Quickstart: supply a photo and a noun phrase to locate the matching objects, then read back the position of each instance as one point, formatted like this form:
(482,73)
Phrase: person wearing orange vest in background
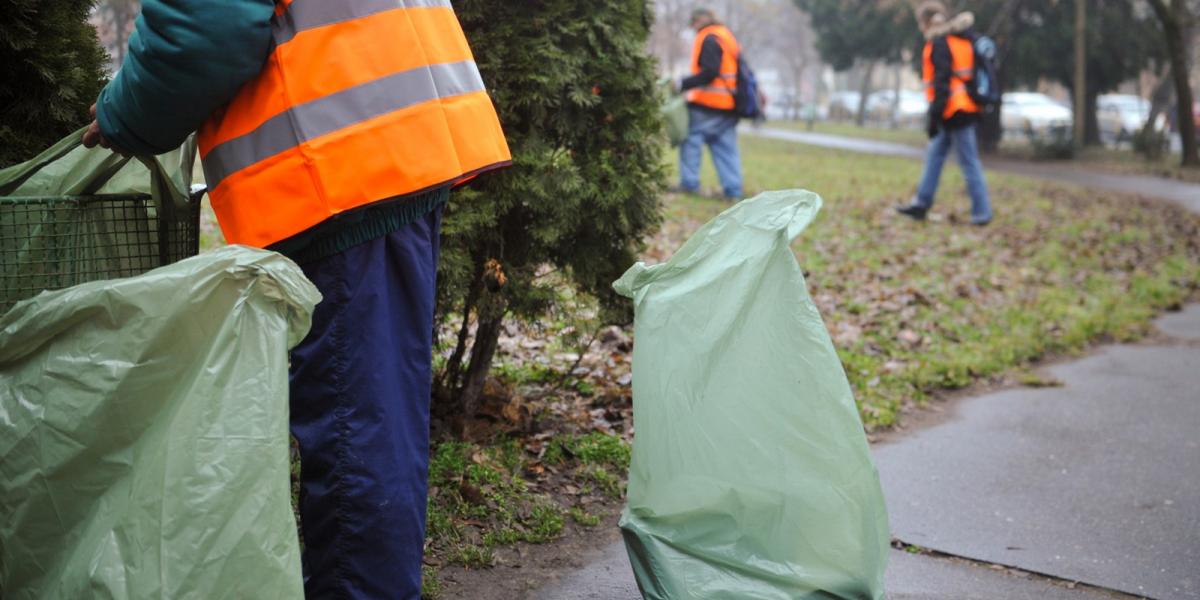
(331,132)
(948,66)
(711,118)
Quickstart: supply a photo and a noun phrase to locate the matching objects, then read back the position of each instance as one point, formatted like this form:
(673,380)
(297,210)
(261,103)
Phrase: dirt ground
(523,568)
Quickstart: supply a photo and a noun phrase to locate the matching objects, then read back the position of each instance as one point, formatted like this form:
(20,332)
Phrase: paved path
(1184,193)
(909,577)
(1097,481)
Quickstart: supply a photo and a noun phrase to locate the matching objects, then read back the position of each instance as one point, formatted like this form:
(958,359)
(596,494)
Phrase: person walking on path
(949,61)
(710,97)
(331,132)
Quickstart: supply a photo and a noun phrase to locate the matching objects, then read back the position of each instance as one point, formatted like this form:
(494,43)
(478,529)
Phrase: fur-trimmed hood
(960,23)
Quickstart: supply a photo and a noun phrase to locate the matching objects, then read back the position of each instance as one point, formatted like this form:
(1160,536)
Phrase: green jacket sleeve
(186,59)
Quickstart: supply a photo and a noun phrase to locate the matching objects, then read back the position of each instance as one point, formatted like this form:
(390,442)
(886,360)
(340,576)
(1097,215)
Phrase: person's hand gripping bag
(751,476)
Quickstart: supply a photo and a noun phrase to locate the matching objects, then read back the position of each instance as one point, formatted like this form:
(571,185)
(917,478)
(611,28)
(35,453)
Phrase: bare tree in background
(775,34)
(784,43)
(669,41)
(114,20)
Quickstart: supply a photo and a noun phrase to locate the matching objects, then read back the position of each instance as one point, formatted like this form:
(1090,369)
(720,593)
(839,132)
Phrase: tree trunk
(798,71)
(1091,119)
(1175,20)
(864,90)
(487,336)
(895,119)
(1080,88)
(1159,99)
(991,132)
(990,129)
(452,376)
(811,116)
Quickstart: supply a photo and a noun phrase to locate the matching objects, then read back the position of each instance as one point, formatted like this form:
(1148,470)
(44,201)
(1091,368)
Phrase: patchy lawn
(920,307)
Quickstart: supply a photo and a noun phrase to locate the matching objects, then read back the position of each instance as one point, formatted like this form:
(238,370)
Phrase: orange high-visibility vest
(718,93)
(962,64)
(359,101)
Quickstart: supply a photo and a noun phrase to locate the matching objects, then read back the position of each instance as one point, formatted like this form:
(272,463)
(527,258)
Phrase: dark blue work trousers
(360,388)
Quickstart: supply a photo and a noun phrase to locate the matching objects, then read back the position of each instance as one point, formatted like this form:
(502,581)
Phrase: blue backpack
(748,101)
(984,86)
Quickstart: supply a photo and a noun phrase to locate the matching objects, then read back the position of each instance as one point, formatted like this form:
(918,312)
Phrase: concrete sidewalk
(1181,192)
(1097,481)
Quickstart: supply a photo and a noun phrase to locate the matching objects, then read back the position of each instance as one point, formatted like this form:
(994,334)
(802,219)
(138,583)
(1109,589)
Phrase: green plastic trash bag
(674,112)
(751,476)
(676,116)
(144,449)
(69,169)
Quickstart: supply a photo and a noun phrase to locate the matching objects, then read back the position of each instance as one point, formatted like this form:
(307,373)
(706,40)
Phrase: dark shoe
(913,210)
(679,189)
(981,223)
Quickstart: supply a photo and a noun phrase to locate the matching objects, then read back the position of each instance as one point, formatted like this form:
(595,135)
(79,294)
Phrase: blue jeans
(360,389)
(719,131)
(963,140)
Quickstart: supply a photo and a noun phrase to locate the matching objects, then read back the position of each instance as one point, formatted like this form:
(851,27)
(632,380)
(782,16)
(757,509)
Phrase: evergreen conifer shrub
(577,98)
(53,71)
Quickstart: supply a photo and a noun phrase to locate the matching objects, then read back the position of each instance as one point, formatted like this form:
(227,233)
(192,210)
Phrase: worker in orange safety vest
(331,132)
(948,67)
(711,90)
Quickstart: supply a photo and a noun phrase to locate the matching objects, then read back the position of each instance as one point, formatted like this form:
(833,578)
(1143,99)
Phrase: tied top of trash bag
(785,213)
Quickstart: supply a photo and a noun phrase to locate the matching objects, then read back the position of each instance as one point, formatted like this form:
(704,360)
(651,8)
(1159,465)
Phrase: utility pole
(1080,126)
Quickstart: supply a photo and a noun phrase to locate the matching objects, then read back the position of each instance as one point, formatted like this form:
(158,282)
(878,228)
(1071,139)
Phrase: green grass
(431,586)
(901,135)
(591,449)
(1105,159)
(483,497)
(915,308)
(583,517)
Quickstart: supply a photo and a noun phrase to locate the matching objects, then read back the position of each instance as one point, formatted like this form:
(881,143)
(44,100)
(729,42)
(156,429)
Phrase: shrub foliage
(576,94)
(53,71)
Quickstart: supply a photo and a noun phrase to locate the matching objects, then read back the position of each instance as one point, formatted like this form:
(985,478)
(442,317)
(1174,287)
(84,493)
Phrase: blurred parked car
(911,110)
(1031,111)
(791,107)
(1123,115)
(843,105)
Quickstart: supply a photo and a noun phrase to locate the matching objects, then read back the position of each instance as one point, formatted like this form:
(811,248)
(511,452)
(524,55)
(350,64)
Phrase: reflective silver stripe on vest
(302,15)
(712,89)
(322,116)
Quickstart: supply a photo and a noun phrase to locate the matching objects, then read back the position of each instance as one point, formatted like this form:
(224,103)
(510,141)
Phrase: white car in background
(1122,115)
(912,109)
(1023,112)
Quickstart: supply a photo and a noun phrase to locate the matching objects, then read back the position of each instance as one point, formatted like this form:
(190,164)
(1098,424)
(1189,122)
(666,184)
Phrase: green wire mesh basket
(75,215)
(49,243)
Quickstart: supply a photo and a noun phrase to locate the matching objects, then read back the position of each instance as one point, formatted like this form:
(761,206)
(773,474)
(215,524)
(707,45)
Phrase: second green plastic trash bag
(751,476)
(676,117)
(144,445)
